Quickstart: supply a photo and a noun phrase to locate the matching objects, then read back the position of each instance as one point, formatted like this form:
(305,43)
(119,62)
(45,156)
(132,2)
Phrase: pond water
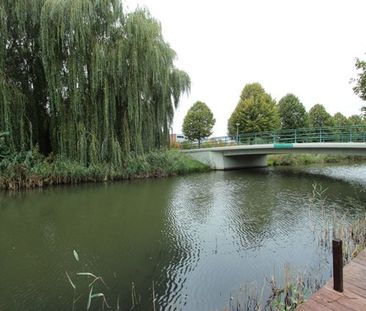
(200,238)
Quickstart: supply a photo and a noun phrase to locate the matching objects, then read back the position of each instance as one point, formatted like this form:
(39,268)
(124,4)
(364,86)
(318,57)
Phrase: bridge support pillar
(218,160)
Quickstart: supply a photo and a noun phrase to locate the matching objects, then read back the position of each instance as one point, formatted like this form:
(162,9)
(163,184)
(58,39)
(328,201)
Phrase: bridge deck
(353,297)
(244,156)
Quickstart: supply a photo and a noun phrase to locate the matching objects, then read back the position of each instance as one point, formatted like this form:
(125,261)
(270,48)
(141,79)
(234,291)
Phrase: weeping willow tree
(106,82)
(22,85)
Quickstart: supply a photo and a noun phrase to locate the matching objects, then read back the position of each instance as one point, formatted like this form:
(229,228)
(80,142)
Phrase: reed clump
(31,169)
(284,293)
(352,233)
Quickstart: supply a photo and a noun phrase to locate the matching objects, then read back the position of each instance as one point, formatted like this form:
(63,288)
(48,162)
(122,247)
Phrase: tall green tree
(198,122)
(340,120)
(319,117)
(292,112)
(356,120)
(85,80)
(255,112)
(363,111)
(360,87)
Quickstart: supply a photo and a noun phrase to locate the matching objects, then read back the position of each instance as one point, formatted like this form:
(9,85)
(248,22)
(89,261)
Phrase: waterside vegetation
(307,159)
(31,169)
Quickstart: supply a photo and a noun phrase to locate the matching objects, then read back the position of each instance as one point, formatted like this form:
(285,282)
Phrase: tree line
(85,80)
(257,111)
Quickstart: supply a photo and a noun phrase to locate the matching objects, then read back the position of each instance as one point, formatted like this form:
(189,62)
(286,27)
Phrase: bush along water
(29,169)
(306,159)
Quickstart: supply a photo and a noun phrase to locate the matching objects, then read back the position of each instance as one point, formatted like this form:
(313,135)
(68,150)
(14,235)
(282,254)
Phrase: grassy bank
(305,159)
(31,169)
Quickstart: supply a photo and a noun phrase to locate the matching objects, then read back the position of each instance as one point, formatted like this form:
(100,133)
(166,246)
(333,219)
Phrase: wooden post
(337,265)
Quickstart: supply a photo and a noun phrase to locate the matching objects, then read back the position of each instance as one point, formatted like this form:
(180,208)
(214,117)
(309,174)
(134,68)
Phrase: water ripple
(201,238)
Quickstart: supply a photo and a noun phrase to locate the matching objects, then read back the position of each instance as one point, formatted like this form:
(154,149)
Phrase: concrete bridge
(251,149)
(245,156)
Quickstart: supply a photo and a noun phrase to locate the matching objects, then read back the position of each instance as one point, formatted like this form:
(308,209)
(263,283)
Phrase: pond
(200,239)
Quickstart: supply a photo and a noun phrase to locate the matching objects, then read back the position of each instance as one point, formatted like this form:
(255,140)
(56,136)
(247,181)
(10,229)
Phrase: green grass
(305,159)
(30,169)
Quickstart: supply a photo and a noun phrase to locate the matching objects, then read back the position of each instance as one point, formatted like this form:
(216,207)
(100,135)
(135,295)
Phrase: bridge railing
(287,136)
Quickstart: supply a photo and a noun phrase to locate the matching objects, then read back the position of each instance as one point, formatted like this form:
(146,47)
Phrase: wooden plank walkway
(353,297)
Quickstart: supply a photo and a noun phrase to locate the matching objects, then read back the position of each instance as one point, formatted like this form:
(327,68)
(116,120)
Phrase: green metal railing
(292,136)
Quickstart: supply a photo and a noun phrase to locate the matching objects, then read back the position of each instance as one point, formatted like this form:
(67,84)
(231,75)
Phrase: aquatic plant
(278,293)
(79,291)
(91,294)
(288,297)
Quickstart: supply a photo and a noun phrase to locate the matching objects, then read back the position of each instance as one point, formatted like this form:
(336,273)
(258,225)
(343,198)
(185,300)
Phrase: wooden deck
(353,297)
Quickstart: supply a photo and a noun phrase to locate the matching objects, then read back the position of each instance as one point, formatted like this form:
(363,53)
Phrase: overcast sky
(305,47)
